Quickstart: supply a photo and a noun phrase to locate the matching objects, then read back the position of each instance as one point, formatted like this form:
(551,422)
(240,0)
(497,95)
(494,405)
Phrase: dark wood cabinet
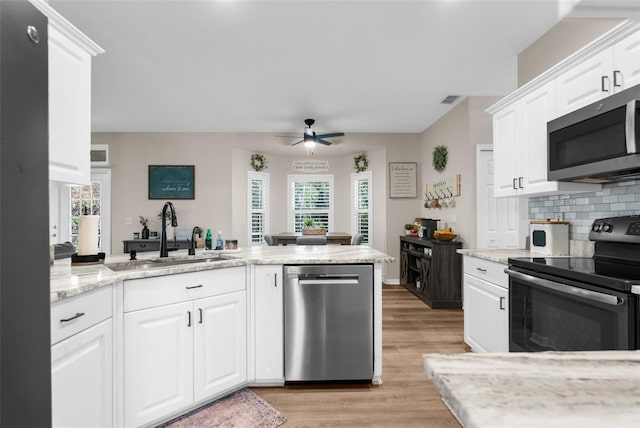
(432,270)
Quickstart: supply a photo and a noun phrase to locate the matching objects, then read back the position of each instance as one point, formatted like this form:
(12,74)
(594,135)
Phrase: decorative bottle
(145,232)
(207,240)
(219,242)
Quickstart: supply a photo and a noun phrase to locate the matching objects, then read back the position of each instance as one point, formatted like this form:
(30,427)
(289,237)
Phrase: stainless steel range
(579,303)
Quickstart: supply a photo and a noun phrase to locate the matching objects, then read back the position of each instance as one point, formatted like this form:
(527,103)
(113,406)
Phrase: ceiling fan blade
(325,142)
(331,135)
(297,142)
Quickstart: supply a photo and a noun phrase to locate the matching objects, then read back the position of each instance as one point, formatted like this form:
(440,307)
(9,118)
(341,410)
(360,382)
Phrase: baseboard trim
(391,281)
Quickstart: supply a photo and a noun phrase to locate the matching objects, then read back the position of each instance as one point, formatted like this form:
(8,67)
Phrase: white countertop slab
(68,281)
(499,255)
(543,389)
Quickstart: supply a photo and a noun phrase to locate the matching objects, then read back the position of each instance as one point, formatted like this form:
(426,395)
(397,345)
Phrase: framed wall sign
(403,179)
(171,182)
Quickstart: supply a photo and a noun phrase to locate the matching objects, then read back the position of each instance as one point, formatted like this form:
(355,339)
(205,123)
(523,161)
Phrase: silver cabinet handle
(565,288)
(76,316)
(502,304)
(515,187)
(481,269)
(188,318)
(520,182)
(191,287)
(200,310)
(275,280)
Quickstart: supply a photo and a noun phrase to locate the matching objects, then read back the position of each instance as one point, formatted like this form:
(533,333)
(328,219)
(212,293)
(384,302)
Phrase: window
(258,203)
(361,208)
(311,197)
(83,199)
(96,197)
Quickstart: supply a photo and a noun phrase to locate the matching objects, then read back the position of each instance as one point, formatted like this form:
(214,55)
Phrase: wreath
(258,162)
(360,162)
(439,158)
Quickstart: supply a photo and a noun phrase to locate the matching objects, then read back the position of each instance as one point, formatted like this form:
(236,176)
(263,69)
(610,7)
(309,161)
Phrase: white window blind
(311,197)
(361,208)
(258,203)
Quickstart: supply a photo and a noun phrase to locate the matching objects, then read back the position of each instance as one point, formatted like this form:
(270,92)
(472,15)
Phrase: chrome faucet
(164,252)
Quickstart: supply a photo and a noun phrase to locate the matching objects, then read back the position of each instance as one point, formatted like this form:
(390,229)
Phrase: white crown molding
(603,42)
(61,24)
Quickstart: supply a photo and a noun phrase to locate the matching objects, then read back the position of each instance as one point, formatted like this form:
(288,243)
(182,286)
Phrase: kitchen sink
(161,263)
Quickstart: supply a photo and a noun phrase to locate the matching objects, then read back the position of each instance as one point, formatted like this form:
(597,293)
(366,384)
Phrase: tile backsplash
(580,209)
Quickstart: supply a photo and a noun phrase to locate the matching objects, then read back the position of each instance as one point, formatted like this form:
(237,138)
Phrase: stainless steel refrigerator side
(25,334)
(328,313)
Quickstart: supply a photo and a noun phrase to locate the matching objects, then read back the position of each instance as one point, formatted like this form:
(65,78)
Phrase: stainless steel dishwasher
(328,323)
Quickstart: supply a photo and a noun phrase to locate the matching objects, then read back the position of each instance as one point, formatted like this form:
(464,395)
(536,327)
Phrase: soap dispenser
(219,242)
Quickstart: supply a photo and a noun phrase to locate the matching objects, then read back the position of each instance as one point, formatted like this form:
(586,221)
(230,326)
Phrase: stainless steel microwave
(598,143)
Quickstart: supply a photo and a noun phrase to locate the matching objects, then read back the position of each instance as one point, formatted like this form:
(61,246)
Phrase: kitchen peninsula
(220,321)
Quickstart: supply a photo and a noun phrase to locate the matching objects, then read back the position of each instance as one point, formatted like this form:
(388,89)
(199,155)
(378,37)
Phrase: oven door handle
(567,289)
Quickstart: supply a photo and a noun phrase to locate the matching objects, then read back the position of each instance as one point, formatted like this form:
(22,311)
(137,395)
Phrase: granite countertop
(68,281)
(542,389)
(499,255)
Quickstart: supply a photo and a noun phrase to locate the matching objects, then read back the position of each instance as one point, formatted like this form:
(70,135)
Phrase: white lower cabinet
(268,322)
(486,300)
(82,361)
(179,354)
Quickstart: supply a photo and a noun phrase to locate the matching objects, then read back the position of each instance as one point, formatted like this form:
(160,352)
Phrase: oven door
(547,315)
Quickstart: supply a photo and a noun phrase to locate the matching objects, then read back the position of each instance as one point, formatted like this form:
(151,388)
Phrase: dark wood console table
(432,270)
(141,245)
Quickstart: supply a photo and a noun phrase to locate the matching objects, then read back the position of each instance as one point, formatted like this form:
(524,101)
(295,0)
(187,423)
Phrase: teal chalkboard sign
(171,182)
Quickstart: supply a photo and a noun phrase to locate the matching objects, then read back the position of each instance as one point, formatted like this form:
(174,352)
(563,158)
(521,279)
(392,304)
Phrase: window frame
(264,178)
(356,177)
(300,178)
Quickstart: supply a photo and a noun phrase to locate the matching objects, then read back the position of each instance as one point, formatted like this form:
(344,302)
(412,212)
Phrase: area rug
(242,409)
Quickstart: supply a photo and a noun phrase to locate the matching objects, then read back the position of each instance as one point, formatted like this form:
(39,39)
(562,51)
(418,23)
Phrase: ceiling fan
(310,137)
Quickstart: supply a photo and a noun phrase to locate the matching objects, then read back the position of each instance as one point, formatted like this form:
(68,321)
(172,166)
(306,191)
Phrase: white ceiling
(265,66)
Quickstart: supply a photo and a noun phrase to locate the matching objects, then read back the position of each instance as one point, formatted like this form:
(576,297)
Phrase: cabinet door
(81,378)
(626,55)
(586,83)
(404,267)
(486,315)
(220,345)
(506,151)
(535,110)
(69,110)
(268,294)
(158,362)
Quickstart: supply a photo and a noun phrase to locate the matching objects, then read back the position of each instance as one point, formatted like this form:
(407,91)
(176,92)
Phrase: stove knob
(607,227)
(596,227)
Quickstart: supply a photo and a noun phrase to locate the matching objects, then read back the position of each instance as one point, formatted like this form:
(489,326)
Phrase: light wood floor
(407,397)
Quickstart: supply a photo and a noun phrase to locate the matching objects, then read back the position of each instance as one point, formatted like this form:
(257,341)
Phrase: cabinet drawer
(164,290)
(73,315)
(487,270)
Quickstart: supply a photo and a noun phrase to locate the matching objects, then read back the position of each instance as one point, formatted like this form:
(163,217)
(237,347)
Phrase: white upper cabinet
(606,73)
(70,53)
(520,147)
(608,65)
(627,61)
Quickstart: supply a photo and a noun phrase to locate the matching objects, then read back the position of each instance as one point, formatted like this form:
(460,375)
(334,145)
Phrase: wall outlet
(127,220)
(453,219)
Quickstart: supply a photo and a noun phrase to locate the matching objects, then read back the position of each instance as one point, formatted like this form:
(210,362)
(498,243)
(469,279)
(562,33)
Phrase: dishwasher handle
(328,281)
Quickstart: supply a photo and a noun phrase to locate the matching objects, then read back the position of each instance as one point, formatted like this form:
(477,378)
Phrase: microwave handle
(566,289)
(630,127)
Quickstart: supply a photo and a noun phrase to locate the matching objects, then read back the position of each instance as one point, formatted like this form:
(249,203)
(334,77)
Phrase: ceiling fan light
(309,143)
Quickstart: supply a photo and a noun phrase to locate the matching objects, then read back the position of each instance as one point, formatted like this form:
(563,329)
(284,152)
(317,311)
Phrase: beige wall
(221,167)
(565,38)
(460,130)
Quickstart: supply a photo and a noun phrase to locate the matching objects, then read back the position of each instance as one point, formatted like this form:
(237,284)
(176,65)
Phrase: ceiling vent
(450,99)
